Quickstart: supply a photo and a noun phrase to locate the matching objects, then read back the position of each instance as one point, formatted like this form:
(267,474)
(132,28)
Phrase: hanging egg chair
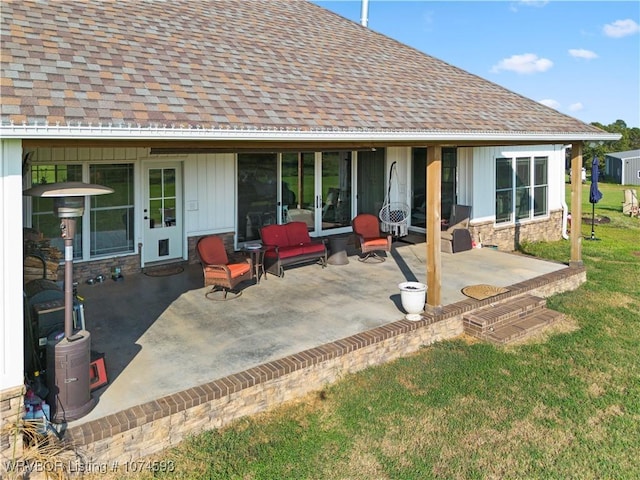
(394,215)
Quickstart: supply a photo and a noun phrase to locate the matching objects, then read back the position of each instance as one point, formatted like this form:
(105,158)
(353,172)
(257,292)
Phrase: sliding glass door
(448,188)
(370,179)
(316,189)
(334,206)
(257,193)
(298,197)
(312,187)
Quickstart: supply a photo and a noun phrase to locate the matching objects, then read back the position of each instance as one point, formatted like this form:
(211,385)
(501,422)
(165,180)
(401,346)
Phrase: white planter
(413,296)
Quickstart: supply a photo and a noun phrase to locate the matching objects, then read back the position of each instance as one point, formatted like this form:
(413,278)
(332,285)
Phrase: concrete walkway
(160,335)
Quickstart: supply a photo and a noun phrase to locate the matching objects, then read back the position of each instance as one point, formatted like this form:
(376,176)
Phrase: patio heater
(68,355)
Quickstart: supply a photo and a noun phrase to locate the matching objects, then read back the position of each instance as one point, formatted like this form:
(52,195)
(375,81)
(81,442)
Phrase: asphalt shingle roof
(239,63)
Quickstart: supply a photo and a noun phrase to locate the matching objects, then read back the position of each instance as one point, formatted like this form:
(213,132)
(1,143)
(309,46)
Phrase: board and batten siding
(209,183)
(464,182)
(209,193)
(631,171)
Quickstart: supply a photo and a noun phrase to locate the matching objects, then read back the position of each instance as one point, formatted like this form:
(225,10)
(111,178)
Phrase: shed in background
(623,167)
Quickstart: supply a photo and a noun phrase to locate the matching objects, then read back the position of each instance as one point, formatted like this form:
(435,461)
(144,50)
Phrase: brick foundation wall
(510,237)
(149,428)
(163,423)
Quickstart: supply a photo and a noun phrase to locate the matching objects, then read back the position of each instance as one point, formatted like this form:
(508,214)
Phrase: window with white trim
(42,218)
(110,217)
(522,189)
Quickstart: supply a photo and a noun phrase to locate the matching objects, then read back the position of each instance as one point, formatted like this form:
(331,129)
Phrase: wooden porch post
(576,204)
(434,266)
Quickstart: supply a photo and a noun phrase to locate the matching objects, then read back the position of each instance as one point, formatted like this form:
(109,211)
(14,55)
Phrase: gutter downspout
(565,208)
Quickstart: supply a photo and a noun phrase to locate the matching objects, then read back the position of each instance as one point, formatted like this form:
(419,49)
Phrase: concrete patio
(160,335)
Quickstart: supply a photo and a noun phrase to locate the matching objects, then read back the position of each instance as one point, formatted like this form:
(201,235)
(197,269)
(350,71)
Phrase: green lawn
(565,405)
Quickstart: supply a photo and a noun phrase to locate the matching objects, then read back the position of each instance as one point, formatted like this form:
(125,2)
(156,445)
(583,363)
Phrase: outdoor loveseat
(290,244)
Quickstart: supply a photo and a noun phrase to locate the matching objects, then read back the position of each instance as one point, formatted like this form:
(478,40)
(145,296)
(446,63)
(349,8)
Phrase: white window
(110,217)
(521,188)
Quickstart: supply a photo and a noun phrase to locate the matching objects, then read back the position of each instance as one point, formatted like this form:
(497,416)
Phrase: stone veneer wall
(11,408)
(510,237)
(149,428)
(83,271)
(227,238)
(129,264)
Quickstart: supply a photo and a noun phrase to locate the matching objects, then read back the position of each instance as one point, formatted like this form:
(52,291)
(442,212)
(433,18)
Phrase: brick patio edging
(151,427)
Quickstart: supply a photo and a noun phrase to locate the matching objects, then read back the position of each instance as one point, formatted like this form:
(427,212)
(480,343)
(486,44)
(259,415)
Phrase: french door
(334,192)
(312,187)
(316,188)
(298,195)
(163,238)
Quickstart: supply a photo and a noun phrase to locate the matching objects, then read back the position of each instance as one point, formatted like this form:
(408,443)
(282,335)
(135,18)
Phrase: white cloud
(528,3)
(582,53)
(550,103)
(524,64)
(621,28)
(427,21)
(576,107)
(534,3)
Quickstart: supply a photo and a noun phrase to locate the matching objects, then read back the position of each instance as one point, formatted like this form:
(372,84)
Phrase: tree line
(630,140)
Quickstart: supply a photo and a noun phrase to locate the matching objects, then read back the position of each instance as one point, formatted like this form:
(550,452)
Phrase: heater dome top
(67,189)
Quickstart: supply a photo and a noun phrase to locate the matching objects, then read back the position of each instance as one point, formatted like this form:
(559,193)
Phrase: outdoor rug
(163,270)
(482,291)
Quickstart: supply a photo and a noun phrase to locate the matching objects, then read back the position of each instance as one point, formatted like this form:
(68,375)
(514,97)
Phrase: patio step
(509,321)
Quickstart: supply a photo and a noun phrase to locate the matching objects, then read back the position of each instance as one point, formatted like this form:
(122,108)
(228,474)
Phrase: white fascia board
(138,132)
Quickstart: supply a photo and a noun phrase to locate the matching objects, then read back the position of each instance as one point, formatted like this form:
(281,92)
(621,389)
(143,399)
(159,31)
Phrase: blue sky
(580,57)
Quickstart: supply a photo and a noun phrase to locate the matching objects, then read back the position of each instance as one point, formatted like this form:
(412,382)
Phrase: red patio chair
(366,227)
(218,272)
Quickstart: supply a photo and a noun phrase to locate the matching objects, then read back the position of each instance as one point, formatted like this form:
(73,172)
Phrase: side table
(338,249)
(257,258)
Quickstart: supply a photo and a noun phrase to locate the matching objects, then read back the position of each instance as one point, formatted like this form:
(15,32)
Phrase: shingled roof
(265,64)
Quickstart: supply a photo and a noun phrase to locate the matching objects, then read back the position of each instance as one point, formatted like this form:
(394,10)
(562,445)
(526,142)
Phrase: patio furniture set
(290,244)
(282,245)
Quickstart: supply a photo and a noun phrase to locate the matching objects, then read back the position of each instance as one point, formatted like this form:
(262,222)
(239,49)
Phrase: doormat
(163,270)
(412,239)
(480,292)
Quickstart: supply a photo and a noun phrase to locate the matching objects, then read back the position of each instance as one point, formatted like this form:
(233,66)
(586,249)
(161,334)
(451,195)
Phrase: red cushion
(238,269)
(375,242)
(271,253)
(366,225)
(275,235)
(212,252)
(287,252)
(313,248)
(297,233)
